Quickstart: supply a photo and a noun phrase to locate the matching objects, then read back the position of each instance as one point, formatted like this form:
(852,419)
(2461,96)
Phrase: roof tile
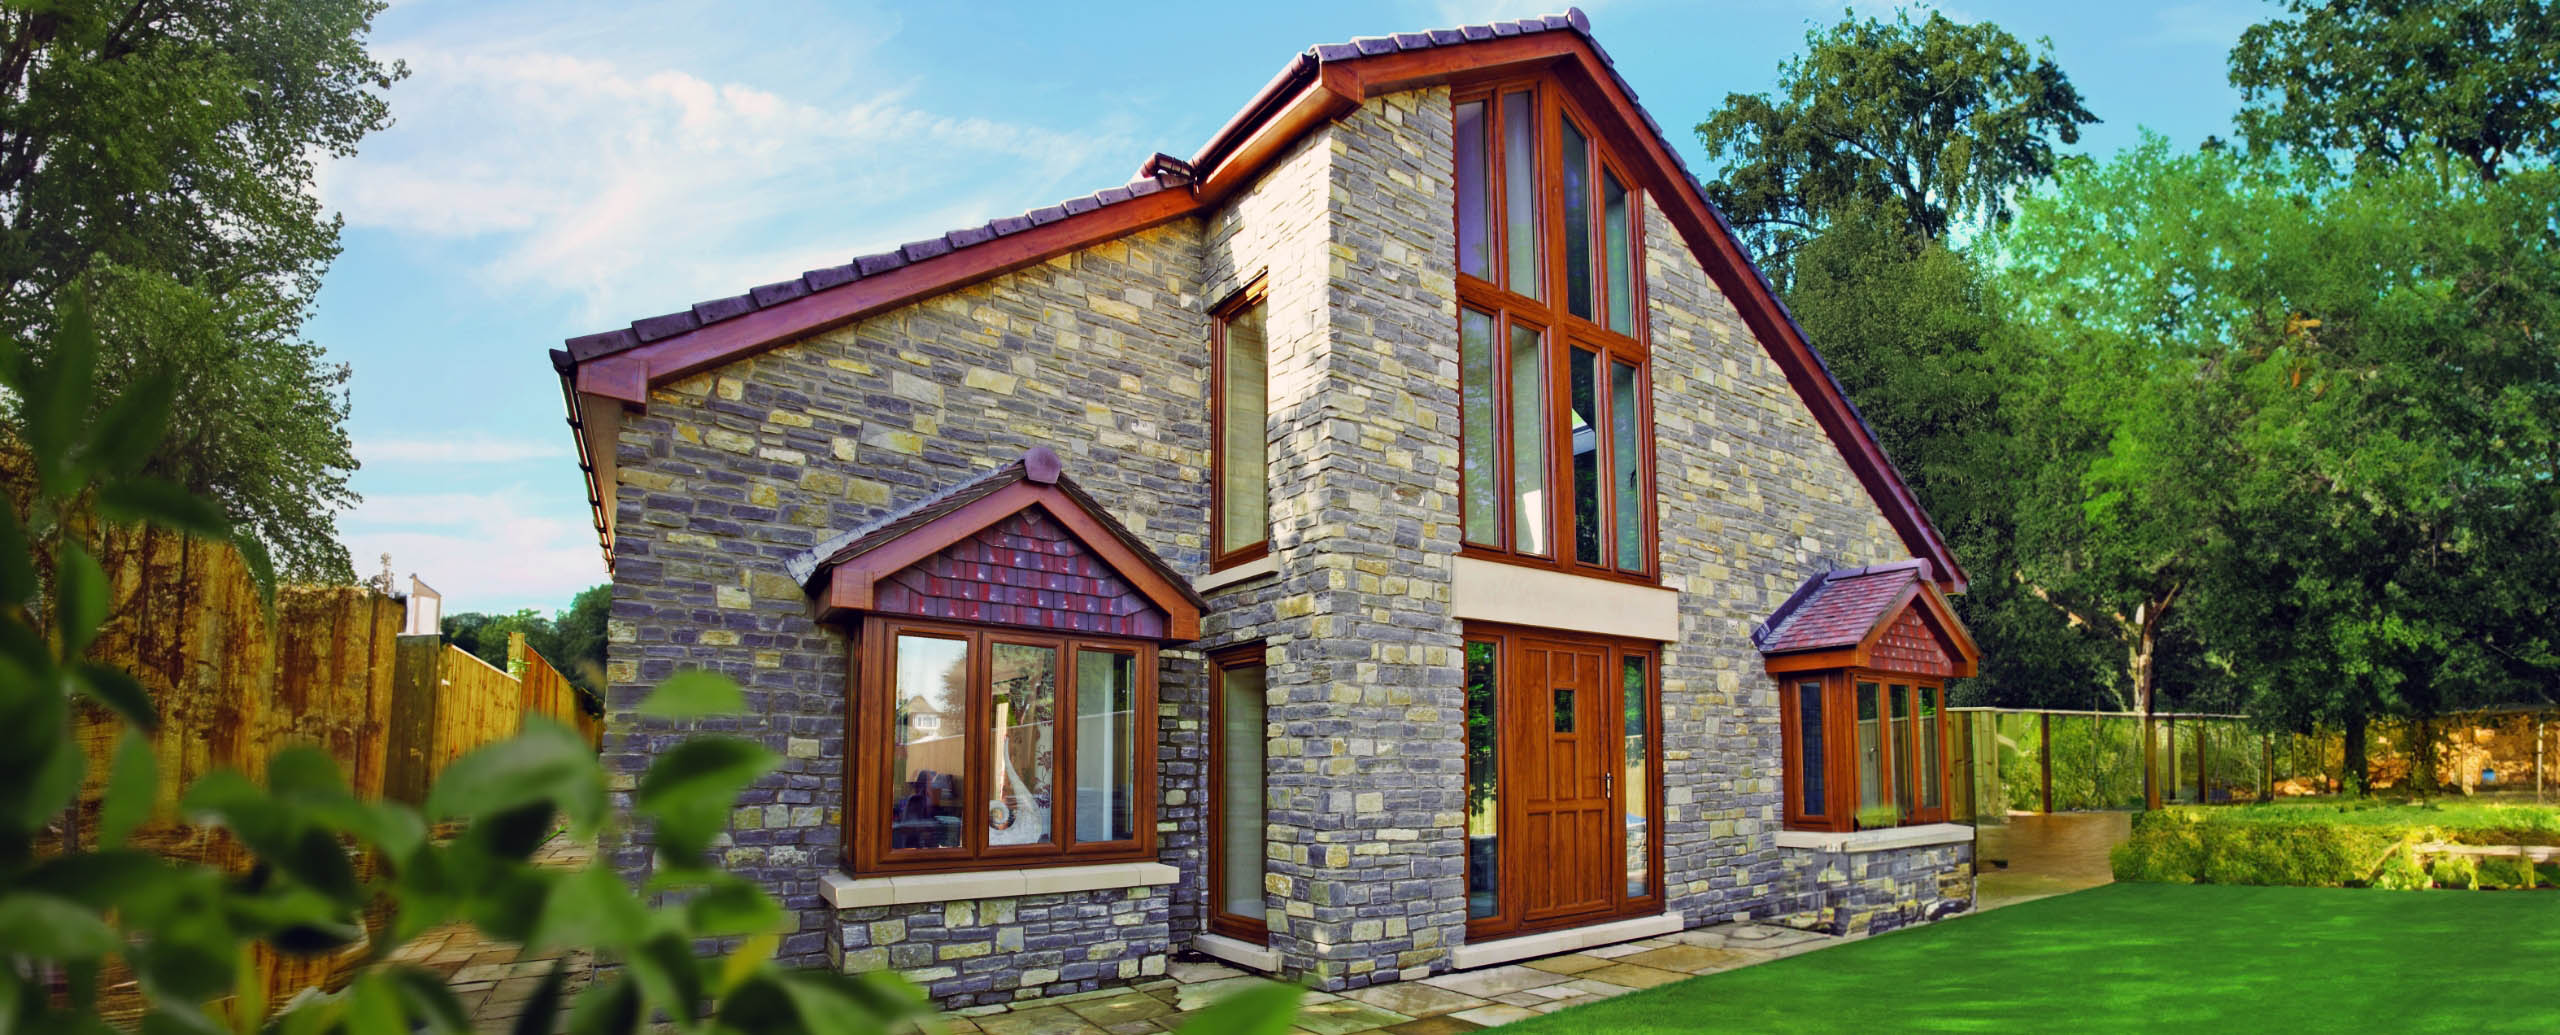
(967,236)
(1446,37)
(1080,206)
(1010,225)
(779,292)
(919,251)
(874,265)
(1336,51)
(667,326)
(832,276)
(601,342)
(719,309)
(1045,216)
(1371,46)
(1412,40)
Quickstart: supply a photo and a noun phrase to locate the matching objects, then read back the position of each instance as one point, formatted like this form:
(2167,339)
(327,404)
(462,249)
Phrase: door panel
(1565,749)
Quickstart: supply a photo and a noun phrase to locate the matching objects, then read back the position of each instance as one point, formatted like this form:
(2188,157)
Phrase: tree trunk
(2356,776)
(2143,699)
(2422,758)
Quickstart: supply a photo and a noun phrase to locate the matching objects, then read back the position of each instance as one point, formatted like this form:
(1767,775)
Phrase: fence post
(2204,794)
(2266,767)
(2044,755)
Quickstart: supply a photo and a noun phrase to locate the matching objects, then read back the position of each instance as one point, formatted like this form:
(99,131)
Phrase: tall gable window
(1556,420)
(1240,513)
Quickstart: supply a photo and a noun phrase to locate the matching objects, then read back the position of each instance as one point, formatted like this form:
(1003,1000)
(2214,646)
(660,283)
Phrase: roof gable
(1320,84)
(1889,617)
(1020,545)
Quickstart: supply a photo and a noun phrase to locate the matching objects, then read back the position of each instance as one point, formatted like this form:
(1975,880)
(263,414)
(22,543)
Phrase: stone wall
(1752,498)
(998,950)
(1096,355)
(1871,892)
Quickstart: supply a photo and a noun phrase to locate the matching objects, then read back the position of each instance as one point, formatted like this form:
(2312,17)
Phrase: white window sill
(844,891)
(1492,591)
(1261,567)
(1922,836)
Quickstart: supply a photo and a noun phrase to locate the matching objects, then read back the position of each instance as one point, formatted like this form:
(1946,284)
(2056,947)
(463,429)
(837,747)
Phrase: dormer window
(1556,425)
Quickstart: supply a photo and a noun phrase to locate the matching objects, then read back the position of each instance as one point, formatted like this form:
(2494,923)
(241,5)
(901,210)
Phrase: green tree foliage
(2378,78)
(1937,120)
(572,640)
(184,929)
(163,154)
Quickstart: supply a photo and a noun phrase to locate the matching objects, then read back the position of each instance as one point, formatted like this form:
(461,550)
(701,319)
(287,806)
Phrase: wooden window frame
(1251,929)
(871,710)
(1507,919)
(1253,293)
(1562,333)
(1900,752)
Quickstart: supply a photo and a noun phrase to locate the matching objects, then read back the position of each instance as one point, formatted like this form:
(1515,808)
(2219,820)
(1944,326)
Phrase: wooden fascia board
(1968,653)
(1693,216)
(851,586)
(1816,661)
(1321,101)
(629,374)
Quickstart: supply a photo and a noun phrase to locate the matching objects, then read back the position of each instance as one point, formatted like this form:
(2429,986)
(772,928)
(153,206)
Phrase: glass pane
(1484,878)
(1584,372)
(1240,745)
(1626,476)
(1563,710)
(1476,398)
(1025,684)
(1243,476)
(1899,735)
(1106,746)
(1520,199)
(1614,222)
(1577,222)
(1871,786)
(1809,774)
(1929,734)
(930,749)
(1529,517)
(1635,780)
(1475,200)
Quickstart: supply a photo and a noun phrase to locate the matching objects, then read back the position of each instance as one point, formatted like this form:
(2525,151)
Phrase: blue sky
(564,168)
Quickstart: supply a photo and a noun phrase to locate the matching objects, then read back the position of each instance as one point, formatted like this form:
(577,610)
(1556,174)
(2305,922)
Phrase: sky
(559,168)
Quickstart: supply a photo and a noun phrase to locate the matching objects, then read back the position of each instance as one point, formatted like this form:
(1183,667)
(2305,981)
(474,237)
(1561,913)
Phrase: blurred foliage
(572,639)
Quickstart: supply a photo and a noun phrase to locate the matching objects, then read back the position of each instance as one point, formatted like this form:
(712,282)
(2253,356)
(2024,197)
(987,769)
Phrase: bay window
(1555,421)
(976,745)
(1863,750)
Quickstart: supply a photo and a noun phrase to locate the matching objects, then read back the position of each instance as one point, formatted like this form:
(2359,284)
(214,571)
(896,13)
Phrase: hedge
(2191,845)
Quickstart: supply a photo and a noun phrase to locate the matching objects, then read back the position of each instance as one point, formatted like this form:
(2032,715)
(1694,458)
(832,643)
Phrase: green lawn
(2147,957)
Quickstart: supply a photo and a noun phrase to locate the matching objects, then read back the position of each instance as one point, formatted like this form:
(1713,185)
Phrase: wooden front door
(1565,748)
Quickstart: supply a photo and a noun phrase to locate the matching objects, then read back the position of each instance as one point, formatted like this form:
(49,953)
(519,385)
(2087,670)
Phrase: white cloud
(473,448)
(483,551)
(637,190)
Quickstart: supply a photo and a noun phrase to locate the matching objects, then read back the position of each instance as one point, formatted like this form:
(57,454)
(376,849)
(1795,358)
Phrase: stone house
(1406,535)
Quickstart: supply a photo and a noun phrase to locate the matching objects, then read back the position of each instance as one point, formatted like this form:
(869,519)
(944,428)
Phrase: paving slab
(1491,982)
(1415,999)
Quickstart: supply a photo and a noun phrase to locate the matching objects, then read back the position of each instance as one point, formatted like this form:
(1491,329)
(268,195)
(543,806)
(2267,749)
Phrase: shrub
(2401,872)
(2456,871)
(2209,845)
(2505,871)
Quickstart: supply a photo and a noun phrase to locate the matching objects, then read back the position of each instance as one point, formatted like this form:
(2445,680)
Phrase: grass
(2146,957)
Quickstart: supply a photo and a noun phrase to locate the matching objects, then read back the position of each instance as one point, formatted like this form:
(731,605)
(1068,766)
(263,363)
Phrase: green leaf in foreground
(546,762)
(690,790)
(1258,1010)
(694,694)
(131,787)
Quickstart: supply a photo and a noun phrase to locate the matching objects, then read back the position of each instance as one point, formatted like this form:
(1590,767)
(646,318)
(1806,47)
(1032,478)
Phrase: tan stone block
(729,441)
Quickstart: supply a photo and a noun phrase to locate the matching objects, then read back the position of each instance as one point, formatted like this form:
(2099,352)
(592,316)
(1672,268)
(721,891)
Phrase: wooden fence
(333,671)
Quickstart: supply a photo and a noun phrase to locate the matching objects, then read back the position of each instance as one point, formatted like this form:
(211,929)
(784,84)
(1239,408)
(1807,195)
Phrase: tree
(1937,121)
(2378,77)
(162,153)
(572,640)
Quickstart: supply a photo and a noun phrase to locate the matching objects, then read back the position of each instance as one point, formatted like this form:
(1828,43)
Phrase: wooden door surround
(1563,759)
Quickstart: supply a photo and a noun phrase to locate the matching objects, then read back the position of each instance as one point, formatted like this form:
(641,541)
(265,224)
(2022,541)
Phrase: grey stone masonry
(998,950)
(1872,892)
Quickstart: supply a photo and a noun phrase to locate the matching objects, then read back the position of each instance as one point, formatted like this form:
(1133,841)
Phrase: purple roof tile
(1837,608)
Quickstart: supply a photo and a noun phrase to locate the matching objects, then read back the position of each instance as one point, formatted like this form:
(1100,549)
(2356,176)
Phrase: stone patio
(494,981)
(1458,1002)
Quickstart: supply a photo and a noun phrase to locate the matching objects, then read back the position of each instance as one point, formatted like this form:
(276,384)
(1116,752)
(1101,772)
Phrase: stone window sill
(844,891)
(1261,567)
(1922,836)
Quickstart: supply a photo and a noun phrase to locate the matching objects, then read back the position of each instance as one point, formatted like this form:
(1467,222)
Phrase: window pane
(1475,202)
(1484,880)
(1025,684)
(1899,735)
(1246,515)
(1871,785)
(1240,746)
(1520,201)
(929,753)
(1929,748)
(1626,476)
(1577,222)
(1635,781)
(1809,772)
(1476,400)
(1106,746)
(1614,212)
(1584,371)
(1529,517)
